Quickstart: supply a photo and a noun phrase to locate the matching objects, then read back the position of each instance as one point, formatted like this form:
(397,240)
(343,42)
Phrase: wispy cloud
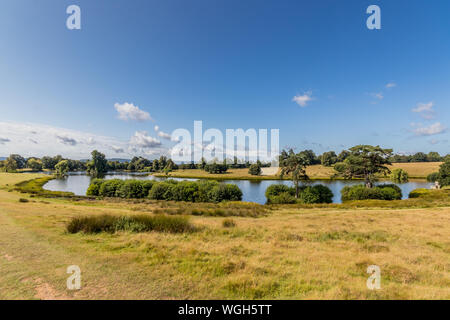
(435,128)
(425,110)
(391,85)
(378,95)
(302,100)
(128,111)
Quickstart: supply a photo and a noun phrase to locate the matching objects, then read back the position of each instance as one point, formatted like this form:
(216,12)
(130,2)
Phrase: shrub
(399,176)
(131,189)
(158,191)
(417,193)
(225,192)
(276,189)
(316,194)
(282,198)
(278,194)
(109,188)
(184,191)
(397,194)
(216,168)
(228,223)
(23,200)
(381,192)
(255,169)
(140,223)
(94,187)
(308,195)
(433,177)
(147,186)
(204,186)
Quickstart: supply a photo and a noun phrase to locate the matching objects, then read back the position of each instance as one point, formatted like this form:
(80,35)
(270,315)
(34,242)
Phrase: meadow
(264,252)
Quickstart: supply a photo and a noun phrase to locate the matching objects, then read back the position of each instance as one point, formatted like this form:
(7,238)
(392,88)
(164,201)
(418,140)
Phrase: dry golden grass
(417,169)
(319,171)
(291,253)
(231,174)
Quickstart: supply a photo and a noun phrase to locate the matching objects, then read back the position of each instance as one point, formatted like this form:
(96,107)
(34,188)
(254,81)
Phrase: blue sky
(231,64)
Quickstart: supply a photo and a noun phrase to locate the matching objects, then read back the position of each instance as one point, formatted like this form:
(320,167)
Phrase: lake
(253,191)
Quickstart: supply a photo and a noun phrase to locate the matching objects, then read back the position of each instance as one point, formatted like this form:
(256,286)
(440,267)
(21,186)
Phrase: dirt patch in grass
(45,291)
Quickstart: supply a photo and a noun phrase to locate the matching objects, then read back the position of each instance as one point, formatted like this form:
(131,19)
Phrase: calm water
(253,191)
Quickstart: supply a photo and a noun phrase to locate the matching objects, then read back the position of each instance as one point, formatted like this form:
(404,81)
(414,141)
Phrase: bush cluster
(281,194)
(433,177)
(381,192)
(216,168)
(139,223)
(190,191)
(255,169)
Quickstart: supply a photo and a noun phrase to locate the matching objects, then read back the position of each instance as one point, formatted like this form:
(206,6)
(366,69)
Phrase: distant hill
(112,159)
(119,160)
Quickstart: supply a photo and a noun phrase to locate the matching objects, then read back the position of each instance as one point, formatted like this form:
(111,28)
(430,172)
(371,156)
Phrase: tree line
(97,165)
(364,162)
(330,158)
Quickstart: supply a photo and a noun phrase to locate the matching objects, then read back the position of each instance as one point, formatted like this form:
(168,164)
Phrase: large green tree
(365,162)
(328,158)
(98,165)
(14,162)
(433,157)
(295,165)
(62,168)
(34,164)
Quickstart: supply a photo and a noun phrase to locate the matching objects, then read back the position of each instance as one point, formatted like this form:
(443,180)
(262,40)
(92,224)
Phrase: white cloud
(90,141)
(391,85)
(421,107)
(117,149)
(43,142)
(142,140)
(164,135)
(156,128)
(128,111)
(302,100)
(425,110)
(433,129)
